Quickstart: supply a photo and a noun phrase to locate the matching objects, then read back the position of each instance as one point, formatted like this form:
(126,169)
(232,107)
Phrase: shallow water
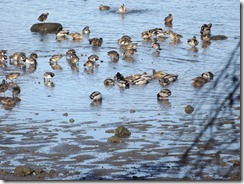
(38,123)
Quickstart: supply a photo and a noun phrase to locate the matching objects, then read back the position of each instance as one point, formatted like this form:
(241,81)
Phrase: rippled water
(39,115)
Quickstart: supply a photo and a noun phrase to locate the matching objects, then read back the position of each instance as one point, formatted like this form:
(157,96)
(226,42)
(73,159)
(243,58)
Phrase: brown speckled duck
(168,19)
(96,42)
(3,86)
(13,75)
(48,76)
(193,42)
(86,30)
(109,82)
(104,7)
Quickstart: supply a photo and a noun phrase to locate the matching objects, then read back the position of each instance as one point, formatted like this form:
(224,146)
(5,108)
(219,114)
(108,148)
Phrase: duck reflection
(96,103)
(49,84)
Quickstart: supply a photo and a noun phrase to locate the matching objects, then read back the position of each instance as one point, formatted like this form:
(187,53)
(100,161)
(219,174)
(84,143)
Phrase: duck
(76,36)
(109,82)
(201,80)
(104,7)
(146,35)
(163,94)
(3,58)
(168,19)
(156,46)
(74,59)
(31,61)
(96,42)
(123,84)
(174,36)
(129,46)
(158,74)
(124,40)
(3,86)
(55,58)
(140,81)
(93,57)
(16,91)
(129,52)
(60,33)
(193,42)
(48,76)
(13,75)
(122,9)
(43,17)
(90,64)
(8,101)
(18,56)
(86,30)
(206,29)
(96,96)
(113,54)
(168,79)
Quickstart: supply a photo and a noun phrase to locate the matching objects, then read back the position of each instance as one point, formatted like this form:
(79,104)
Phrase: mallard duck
(193,42)
(174,36)
(48,76)
(109,82)
(8,101)
(168,19)
(114,55)
(3,87)
(60,33)
(104,7)
(76,36)
(206,29)
(93,57)
(208,75)
(13,75)
(122,9)
(86,30)
(168,79)
(158,74)
(96,42)
(163,94)
(43,17)
(16,91)
(96,96)
(3,58)
(156,46)
(123,84)
(55,58)
(118,76)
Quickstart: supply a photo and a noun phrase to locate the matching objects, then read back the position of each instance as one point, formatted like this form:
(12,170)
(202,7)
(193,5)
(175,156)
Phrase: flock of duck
(127,48)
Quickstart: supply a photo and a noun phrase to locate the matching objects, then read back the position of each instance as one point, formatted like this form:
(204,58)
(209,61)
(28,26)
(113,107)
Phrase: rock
(121,131)
(45,27)
(23,170)
(114,139)
(189,109)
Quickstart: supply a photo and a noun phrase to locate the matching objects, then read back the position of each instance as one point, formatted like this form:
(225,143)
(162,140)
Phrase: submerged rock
(121,131)
(189,109)
(23,170)
(46,27)
(114,139)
